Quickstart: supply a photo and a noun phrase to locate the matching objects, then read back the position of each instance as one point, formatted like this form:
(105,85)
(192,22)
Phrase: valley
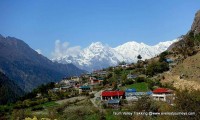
(130,81)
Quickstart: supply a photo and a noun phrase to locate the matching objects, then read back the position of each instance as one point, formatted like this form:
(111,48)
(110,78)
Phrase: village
(114,94)
(125,91)
(99,60)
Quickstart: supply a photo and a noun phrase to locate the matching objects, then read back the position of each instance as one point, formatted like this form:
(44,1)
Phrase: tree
(163,56)
(157,67)
(139,57)
(188,101)
(122,63)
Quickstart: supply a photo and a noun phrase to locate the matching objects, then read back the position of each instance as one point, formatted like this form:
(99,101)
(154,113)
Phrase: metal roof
(113,101)
(131,90)
(113,93)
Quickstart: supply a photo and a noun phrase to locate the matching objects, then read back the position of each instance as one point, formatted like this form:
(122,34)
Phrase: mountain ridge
(9,90)
(98,55)
(27,68)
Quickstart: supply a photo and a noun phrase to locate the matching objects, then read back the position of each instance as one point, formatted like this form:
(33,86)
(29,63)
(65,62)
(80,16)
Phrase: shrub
(104,105)
(92,95)
(156,67)
(35,108)
(163,56)
(128,82)
(188,101)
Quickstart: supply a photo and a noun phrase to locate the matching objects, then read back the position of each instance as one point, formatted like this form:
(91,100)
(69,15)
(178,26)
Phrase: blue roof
(66,87)
(168,60)
(113,101)
(56,88)
(131,90)
(132,76)
(149,92)
(86,87)
(99,78)
(138,93)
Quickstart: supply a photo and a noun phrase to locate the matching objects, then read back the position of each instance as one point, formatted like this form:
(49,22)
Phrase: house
(86,75)
(95,81)
(100,80)
(76,78)
(65,88)
(125,66)
(68,82)
(131,76)
(77,86)
(107,95)
(102,73)
(99,73)
(130,91)
(168,60)
(54,90)
(132,95)
(84,89)
(39,95)
(163,94)
(113,103)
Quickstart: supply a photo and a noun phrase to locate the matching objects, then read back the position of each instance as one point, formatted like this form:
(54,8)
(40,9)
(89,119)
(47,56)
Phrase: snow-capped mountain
(98,55)
(131,50)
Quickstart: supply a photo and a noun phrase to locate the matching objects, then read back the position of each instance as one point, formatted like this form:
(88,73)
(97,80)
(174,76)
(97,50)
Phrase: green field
(140,87)
(49,104)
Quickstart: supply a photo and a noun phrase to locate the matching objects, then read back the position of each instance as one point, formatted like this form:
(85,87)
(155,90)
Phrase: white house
(163,94)
(131,76)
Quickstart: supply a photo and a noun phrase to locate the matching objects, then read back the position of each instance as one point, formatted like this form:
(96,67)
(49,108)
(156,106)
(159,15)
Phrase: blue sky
(80,22)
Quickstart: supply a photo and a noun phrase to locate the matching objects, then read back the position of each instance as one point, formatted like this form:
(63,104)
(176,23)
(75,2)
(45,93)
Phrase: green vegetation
(139,57)
(145,79)
(163,56)
(49,104)
(122,63)
(140,87)
(188,45)
(9,91)
(156,67)
(42,89)
(188,101)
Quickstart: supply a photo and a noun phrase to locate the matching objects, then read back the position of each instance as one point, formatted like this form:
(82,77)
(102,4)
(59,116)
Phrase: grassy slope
(190,68)
(140,87)
(49,104)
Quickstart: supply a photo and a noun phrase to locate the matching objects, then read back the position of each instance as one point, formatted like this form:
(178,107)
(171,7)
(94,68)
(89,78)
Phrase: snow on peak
(96,44)
(98,55)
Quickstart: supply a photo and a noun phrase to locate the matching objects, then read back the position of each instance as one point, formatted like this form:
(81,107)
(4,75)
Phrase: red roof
(112,93)
(161,90)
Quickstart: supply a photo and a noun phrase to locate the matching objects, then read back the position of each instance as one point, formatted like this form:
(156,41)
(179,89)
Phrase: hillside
(186,55)
(9,90)
(27,68)
(187,69)
(185,74)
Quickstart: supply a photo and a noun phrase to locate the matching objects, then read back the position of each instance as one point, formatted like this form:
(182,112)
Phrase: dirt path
(96,95)
(71,99)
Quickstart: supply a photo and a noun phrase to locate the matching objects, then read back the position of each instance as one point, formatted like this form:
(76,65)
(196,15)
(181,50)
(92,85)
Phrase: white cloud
(38,51)
(63,49)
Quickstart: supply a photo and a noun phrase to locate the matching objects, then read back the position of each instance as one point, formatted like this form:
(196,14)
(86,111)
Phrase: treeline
(9,91)
(188,45)
(42,89)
